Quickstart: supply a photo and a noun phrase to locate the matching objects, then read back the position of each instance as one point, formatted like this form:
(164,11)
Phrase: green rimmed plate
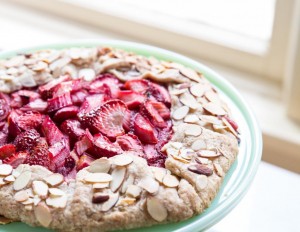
(240,175)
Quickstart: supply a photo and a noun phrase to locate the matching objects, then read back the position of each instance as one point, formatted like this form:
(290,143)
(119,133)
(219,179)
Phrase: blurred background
(254,44)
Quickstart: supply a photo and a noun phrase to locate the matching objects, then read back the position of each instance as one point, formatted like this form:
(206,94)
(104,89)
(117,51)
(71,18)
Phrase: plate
(240,176)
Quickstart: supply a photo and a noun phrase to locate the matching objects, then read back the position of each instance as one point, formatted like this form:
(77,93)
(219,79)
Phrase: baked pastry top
(104,139)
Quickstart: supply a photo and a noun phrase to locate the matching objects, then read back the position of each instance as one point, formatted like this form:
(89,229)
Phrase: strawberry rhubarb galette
(99,139)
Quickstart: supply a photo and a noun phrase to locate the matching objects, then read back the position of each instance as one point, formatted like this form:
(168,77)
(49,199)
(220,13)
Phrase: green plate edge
(253,141)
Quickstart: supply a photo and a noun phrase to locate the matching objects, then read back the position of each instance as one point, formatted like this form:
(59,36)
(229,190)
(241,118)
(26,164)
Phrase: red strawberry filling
(66,124)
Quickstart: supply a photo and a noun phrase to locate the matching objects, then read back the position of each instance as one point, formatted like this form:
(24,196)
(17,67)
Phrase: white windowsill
(281,135)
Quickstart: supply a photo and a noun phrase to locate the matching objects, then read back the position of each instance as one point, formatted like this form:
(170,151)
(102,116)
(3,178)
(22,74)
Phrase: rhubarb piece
(26,140)
(7,150)
(84,161)
(138,86)
(153,156)
(59,152)
(16,159)
(104,81)
(108,118)
(66,113)
(46,90)
(78,97)
(144,130)
(132,100)
(59,102)
(4,109)
(51,132)
(67,87)
(36,105)
(103,147)
(85,142)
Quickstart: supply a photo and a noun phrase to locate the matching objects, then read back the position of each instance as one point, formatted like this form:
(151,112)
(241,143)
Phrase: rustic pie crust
(123,191)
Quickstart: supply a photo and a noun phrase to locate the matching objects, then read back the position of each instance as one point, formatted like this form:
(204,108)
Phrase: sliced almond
(159,174)
(88,74)
(122,160)
(113,199)
(5,169)
(126,201)
(156,209)
(198,90)
(214,108)
(101,165)
(193,130)
(22,180)
(30,192)
(57,202)
(36,200)
(219,169)
(54,180)
(149,184)
(201,160)
(101,185)
(2,182)
(188,100)
(21,196)
(40,188)
(28,207)
(133,191)
(231,129)
(15,173)
(128,181)
(100,198)
(186,153)
(209,153)
(179,158)
(42,214)
(118,176)
(177,91)
(176,145)
(191,118)
(98,177)
(198,145)
(172,151)
(9,178)
(56,192)
(190,73)
(180,113)
(212,96)
(210,119)
(200,169)
(29,201)
(201,182)
(170,181)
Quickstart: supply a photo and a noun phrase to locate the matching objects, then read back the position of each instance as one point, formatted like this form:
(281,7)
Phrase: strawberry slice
(7,150)
(29,120)
(46,90)
(108,118)
(129,142)
(26,140)
(138,86)
(132,100)
(92,102)
(160,93)
(153,115)
(84,161)
(40,155)
(59,102)
(105,82)
(144,130)
(16,159)
(161,108)
(16,101)
(51,132)
(66,113)
(103,147)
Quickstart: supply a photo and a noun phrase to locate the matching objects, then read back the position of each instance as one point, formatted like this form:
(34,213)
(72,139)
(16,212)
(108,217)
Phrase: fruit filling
(67,123)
